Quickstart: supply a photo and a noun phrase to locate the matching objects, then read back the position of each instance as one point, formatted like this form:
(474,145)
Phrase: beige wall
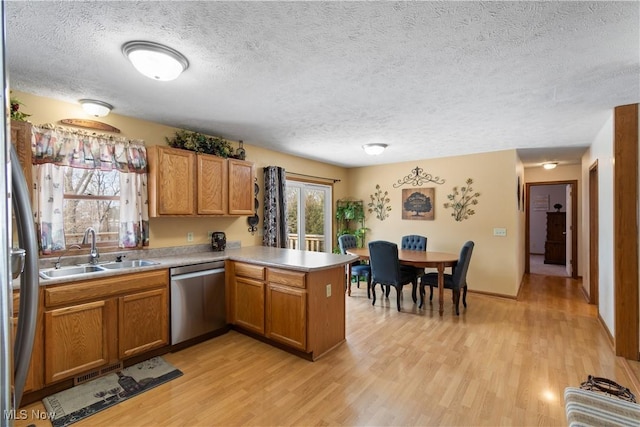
(496,265)
(165,232)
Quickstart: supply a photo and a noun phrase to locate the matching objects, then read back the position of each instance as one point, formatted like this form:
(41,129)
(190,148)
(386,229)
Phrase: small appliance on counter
(218,241)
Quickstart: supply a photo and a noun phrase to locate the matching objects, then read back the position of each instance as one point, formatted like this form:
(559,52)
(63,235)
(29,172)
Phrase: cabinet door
(287,315)
(76,339)
(172,181)
(35,379)
(142,322)
(21,139)
(212,185)
(241,186)
(249,304)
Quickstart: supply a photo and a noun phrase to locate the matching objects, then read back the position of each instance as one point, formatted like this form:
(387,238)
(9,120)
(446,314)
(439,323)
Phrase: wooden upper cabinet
(212,185)
(172,180)
(21,139)
(241,194)
(183,183)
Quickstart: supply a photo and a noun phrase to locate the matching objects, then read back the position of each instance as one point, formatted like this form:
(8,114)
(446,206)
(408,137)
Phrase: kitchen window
(91,199)
(87,180)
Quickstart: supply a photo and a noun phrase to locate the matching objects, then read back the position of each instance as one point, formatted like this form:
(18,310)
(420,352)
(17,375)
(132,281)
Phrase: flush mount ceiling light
(374,149)
(96,108)
(550,165)
(154,60)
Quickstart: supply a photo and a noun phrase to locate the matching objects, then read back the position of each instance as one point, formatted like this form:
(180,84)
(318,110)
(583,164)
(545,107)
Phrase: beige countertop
(174,257)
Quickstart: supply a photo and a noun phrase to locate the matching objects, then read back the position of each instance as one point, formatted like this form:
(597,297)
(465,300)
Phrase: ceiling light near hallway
(550,165)
(96,108)
(374,149)
(154,60)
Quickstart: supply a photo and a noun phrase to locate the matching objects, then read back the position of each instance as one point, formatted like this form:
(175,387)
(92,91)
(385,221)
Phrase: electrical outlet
(190,236)
(500,232)
(328,290)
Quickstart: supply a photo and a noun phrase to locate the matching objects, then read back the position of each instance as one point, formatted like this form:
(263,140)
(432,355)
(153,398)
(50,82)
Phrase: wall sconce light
(374,149)
(156,61)
(96,108)
(550,165)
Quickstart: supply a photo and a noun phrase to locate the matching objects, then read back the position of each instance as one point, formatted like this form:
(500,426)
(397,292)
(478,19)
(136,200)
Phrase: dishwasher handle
(197,274)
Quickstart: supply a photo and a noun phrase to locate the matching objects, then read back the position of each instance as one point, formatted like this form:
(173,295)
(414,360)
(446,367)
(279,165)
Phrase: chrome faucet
(93,252)
(57,263)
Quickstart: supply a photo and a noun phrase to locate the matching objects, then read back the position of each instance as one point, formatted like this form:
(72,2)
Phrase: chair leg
(464,296)
(387,291)
(373,292)
(358,281)
(414,288)
(398,293)
(430,292)
(368,277)
(422,294)
(456,301)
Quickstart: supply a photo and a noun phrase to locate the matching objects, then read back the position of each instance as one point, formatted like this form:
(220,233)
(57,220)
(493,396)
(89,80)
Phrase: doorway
(551,228)
(309,216)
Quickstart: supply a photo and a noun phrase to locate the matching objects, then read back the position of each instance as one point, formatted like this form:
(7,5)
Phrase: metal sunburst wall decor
(418,177)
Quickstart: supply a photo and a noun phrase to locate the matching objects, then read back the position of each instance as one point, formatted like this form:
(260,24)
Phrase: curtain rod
(311,176)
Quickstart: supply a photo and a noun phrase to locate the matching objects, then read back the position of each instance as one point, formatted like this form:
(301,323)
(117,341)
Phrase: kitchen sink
(52,273)
(129,264)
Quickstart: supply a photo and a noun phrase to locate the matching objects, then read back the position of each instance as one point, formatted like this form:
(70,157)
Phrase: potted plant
(200,143)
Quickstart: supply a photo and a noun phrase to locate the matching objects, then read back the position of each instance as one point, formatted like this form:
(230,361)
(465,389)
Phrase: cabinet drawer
(104,287)
(249,270)
(288,278)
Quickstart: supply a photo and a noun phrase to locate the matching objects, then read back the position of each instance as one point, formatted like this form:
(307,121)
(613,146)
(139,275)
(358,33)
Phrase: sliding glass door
(309,216)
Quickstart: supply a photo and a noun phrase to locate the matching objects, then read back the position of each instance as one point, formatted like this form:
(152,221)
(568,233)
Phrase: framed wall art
(418,203)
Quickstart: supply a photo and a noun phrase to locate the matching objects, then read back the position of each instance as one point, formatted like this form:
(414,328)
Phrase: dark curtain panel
(275,207)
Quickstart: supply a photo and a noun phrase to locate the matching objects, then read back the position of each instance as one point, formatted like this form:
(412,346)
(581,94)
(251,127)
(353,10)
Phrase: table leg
(441,288)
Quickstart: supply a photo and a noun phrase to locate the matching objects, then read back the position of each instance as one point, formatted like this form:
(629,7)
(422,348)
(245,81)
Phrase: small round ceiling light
(156,61)
(550,165)
(374,149)
(95,108)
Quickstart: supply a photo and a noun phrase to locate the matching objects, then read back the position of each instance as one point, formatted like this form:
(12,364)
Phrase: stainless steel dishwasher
(197,300)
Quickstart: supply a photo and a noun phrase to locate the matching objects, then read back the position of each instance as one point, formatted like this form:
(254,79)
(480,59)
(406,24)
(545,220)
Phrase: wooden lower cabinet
(35,376)
(303,310)
(287,315)
(91,324)
(76,339)
(245,295)
(143,322)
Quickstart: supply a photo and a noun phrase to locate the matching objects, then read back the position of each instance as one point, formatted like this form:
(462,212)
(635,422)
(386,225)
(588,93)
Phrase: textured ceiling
(320,79)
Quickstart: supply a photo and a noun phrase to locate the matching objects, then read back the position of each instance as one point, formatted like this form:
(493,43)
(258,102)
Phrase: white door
(309,216)
(568,231)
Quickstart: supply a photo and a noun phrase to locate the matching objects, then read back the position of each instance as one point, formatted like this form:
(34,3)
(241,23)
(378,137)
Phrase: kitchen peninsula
(291,299)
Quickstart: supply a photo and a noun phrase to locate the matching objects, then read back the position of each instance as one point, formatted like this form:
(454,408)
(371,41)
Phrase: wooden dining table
(421,259)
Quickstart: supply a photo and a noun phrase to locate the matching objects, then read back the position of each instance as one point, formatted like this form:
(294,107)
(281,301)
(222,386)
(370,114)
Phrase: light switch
(328,290)
(500,232)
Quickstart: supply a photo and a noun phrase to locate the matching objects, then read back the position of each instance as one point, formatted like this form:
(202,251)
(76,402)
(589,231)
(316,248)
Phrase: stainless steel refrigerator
(17,256)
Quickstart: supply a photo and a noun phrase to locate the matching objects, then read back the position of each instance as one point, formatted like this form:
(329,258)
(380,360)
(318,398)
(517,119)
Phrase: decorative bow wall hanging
(418,177)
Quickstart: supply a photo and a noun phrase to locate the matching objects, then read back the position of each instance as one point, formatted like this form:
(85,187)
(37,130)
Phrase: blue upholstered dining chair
(454,281)
(358,269)
(387,271)
(414,242)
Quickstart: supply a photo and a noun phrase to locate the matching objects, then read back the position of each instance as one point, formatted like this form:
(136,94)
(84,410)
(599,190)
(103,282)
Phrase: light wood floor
(501,362)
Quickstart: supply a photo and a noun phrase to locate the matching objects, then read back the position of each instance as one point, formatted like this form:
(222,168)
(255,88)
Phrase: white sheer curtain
(55,148)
